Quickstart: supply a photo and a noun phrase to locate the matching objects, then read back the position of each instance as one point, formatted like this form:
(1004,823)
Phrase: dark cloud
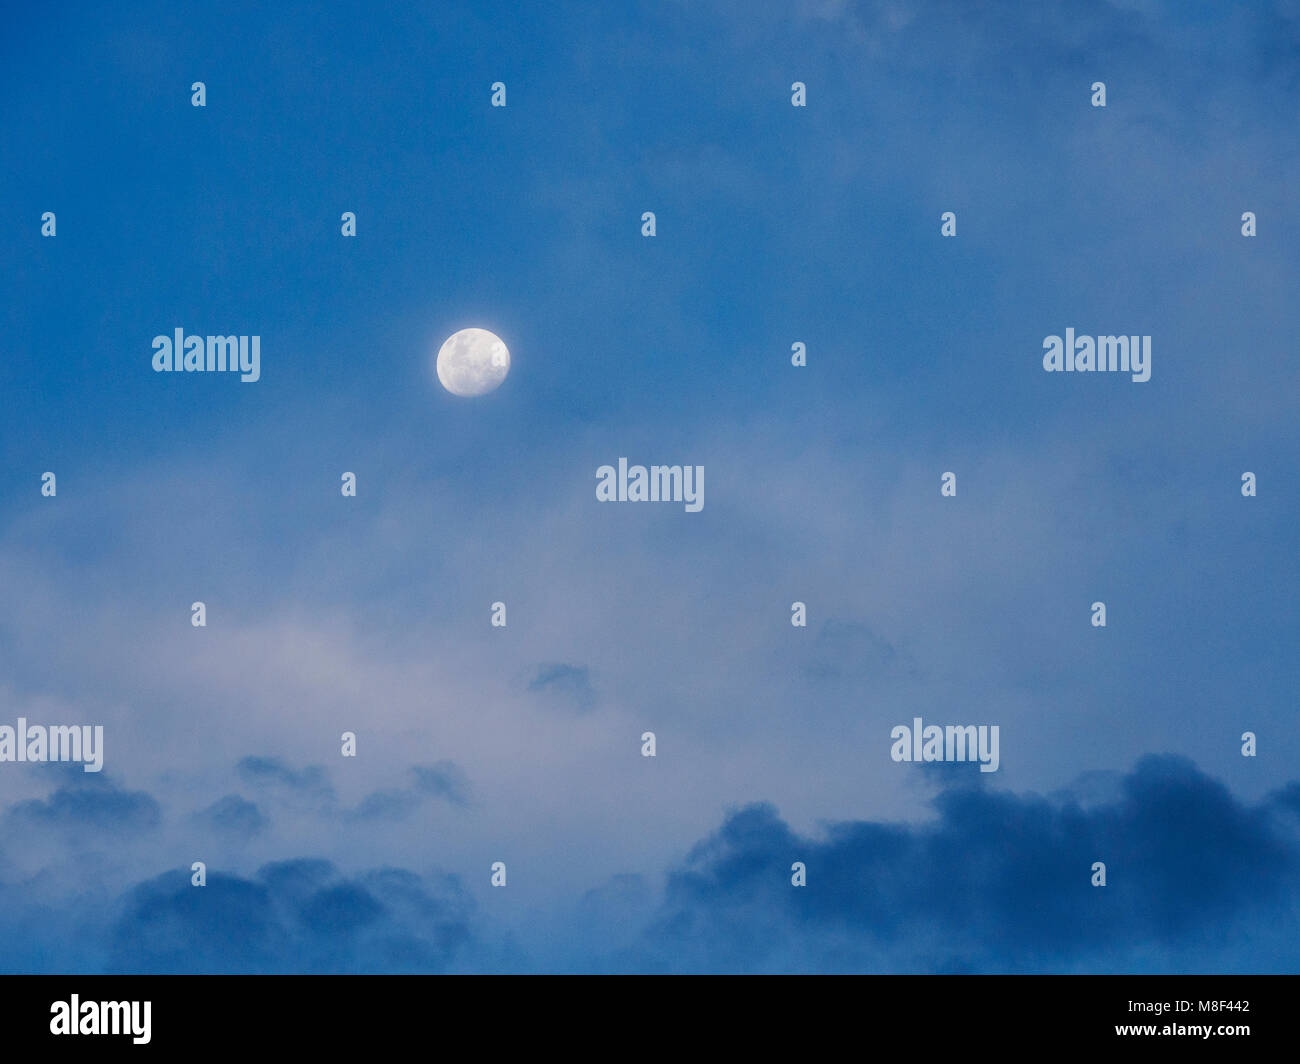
(444,780)
(311,786)
(293,916)
(384,805)
(1288,798)
(87,802)
(569,685)
(340,910)
(234,818)
(296,877)
(853,650)
(229,925)
(998,882)
(312,782)
(1197,880)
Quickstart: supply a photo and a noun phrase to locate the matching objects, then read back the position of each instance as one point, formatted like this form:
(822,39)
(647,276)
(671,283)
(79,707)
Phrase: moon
(473,362)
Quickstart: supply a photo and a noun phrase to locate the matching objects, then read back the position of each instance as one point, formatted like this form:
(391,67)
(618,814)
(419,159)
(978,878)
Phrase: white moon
(473,362)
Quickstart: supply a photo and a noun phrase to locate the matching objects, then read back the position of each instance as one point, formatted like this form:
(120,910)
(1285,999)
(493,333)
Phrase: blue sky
(775,224)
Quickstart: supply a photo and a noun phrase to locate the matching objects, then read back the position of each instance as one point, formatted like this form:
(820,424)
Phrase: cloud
(87,802)
(292,916)
(998,882)
(1197,879)
(444,780)
(340,910)
(384,805)
(853,650)
(311,782)
(235,818)
(568,684)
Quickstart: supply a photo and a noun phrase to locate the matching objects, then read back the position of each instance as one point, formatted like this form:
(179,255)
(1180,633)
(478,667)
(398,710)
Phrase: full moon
(473,362)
